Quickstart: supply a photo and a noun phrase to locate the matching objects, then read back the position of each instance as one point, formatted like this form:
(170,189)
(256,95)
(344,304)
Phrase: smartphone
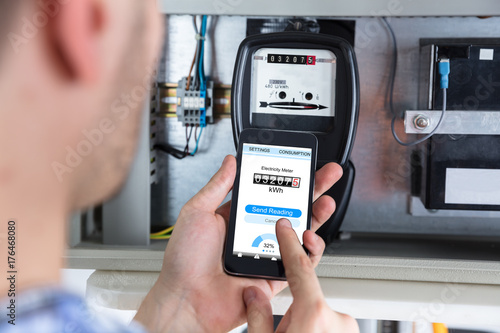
(274,179)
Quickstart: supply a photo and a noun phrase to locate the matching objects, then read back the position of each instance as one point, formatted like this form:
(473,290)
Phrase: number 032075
(263,179)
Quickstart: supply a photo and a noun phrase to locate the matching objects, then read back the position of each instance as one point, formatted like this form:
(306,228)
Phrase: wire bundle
(198,63)
(194,83)
(199,77)
(164,234)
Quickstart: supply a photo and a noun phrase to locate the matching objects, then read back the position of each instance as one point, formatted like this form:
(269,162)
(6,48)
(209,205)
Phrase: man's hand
(309,311)
(193,293)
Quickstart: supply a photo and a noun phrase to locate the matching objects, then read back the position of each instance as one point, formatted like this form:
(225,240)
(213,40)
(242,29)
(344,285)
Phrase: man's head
(73,76)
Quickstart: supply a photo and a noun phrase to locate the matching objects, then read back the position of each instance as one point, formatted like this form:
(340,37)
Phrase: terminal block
(195,107)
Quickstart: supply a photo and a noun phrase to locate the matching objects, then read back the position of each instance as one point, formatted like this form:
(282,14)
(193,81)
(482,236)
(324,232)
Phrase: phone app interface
(274,184)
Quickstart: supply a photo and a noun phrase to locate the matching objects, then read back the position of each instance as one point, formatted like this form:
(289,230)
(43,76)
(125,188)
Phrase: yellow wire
(163,232)
(161,237)
(439,328)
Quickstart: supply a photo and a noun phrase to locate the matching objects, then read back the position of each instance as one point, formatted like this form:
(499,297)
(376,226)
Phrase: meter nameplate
(294,82)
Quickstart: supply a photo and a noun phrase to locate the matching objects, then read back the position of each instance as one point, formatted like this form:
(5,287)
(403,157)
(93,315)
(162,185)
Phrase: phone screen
(274,183)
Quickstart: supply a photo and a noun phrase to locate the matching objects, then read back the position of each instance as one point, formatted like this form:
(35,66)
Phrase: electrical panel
(407,242)
(387,223)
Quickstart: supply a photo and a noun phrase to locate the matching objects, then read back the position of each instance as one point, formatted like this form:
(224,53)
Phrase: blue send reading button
(275,211)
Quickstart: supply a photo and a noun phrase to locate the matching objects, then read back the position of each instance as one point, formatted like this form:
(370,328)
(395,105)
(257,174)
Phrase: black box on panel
(461,171)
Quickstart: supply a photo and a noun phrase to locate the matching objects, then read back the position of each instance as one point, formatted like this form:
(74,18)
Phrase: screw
(421,122)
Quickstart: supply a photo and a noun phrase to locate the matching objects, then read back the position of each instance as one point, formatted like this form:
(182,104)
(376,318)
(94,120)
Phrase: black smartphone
(274,180)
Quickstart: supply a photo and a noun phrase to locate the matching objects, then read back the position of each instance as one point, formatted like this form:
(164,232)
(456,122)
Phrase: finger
(315,245)
(345,323)
(276,286)
(224,210)
(322,210)
(259,311)
(211,196)
(326,320)
(299,270)
(285,322)
(325,178)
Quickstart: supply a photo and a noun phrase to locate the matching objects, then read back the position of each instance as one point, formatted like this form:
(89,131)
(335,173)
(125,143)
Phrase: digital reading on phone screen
(274,182)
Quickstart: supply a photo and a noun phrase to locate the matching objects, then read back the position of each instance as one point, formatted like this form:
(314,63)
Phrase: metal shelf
(333,7)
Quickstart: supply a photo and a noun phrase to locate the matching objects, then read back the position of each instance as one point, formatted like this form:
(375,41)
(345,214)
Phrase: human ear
(76,31)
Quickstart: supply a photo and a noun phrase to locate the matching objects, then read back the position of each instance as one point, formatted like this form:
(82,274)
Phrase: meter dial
(295,74)
(298,81)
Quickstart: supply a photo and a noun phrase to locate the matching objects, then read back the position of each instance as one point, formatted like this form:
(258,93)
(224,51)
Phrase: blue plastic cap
(444,71)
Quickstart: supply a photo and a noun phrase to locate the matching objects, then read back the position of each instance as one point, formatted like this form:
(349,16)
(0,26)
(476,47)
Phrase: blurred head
(73,78)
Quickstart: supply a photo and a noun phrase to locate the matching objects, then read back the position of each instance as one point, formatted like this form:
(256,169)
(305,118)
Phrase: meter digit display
(276,180)
(293,59)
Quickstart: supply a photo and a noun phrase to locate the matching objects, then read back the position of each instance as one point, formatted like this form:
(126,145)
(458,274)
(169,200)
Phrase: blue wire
(198,142)
(201,67)
(203,63)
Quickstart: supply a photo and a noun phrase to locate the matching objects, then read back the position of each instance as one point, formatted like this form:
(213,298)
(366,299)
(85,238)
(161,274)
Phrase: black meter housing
(335,132)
